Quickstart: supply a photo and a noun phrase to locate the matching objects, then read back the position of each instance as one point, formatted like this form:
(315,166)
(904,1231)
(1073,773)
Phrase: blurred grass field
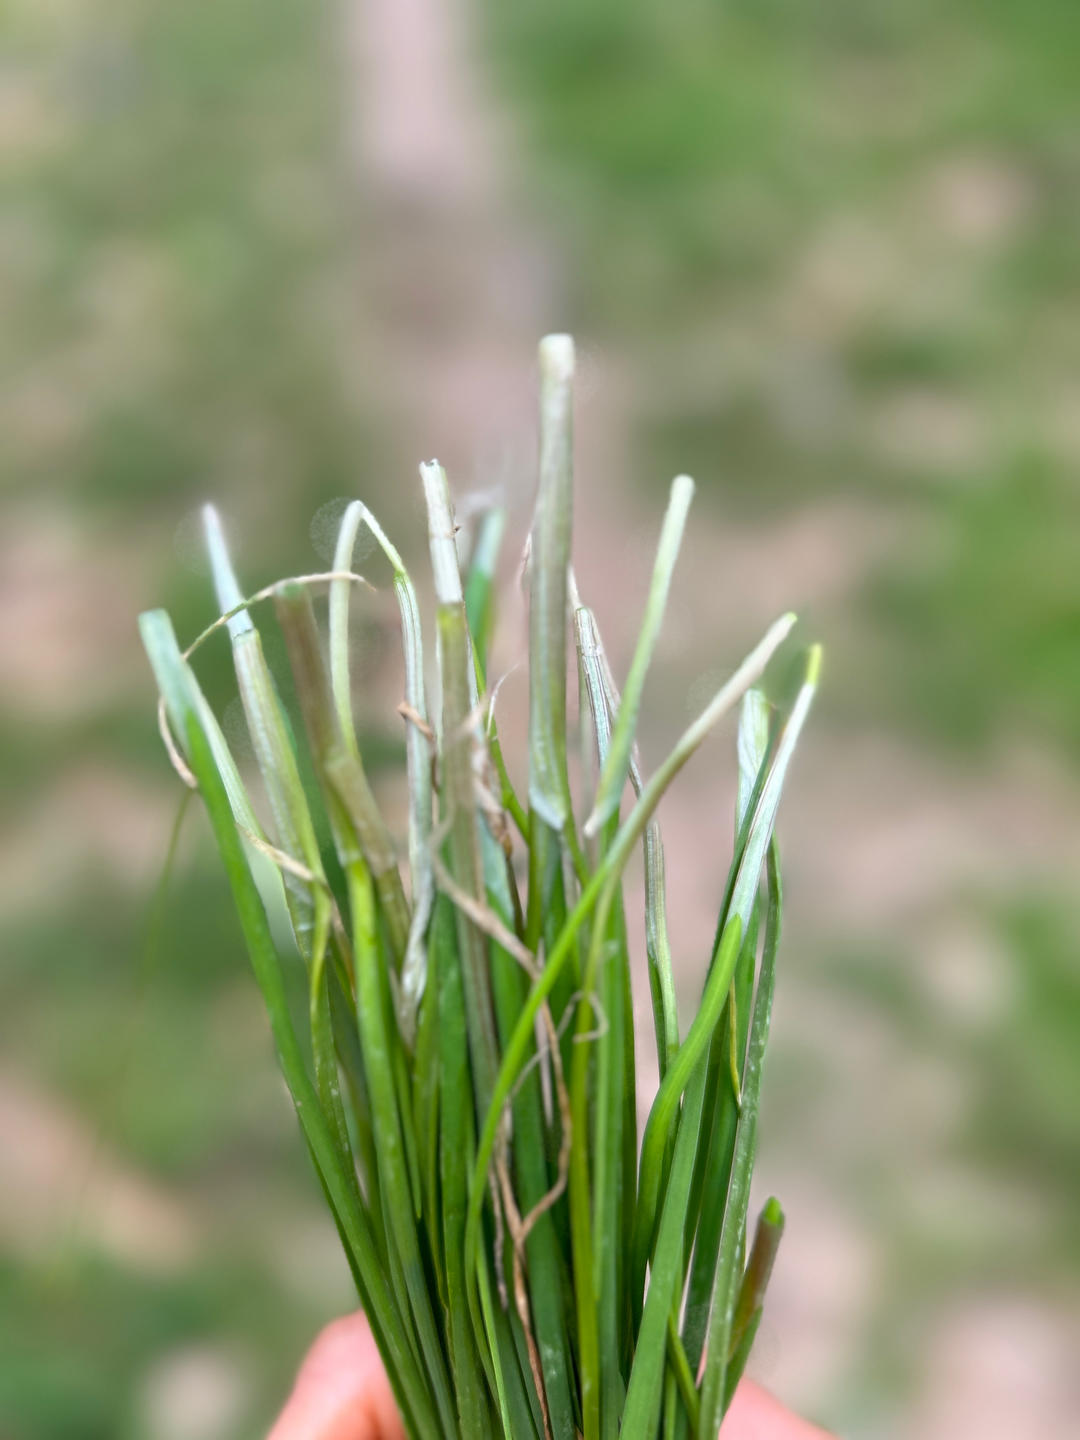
(832,252)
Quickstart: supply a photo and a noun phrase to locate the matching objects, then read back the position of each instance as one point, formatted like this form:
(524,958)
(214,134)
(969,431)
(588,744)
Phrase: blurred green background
(822,257)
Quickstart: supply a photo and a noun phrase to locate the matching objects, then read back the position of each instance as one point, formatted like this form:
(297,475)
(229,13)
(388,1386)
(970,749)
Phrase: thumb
(341,1392)
(755,1415)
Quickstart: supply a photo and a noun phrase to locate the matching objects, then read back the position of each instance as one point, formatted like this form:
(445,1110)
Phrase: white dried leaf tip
(557,358)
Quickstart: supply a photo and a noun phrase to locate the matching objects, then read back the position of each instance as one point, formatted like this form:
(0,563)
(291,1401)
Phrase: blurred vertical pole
(453,288)
(417,124)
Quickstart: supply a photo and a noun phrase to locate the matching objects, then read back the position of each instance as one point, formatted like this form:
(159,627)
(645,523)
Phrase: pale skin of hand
(342,1393)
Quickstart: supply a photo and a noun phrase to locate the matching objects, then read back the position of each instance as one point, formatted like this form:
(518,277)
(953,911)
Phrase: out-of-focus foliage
(835,243)
(843,238)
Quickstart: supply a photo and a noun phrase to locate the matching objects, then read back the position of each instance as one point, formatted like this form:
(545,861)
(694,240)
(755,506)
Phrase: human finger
(341,1391)
(757,1415)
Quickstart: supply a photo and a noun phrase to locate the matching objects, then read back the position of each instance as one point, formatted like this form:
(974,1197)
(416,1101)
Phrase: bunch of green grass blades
(467,1088)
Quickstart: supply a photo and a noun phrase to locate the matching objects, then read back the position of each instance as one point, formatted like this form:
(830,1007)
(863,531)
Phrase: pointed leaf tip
(616,765)
(226,586)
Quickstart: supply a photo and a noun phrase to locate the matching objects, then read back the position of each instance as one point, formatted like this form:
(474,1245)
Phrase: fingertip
(757,1415)
(341,1391)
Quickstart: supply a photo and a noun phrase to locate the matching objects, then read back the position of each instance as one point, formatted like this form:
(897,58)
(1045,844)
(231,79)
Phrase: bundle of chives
(466,1085)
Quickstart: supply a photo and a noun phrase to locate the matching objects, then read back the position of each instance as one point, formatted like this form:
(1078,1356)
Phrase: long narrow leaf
(172,675)
(719,979)
(480,583)
(644,1394)
(548,782)
(603,700)
(417,751)
(713,1389)
(614,772)
(350,802)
